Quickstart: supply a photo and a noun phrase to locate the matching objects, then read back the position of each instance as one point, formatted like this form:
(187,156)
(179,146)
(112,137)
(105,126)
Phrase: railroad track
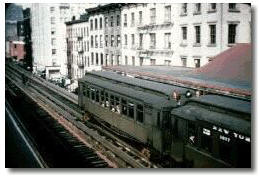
(58,146)
(115,149)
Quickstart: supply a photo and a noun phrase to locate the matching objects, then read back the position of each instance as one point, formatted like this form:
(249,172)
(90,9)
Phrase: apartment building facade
(49,36)
(181,34)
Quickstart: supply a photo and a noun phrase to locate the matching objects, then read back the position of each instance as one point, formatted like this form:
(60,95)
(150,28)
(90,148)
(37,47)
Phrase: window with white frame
(167,40)
(125,39)
(197,8)
(197,34)
(212,33)
(152,40)
(184,9)
(132,19)
(101,41)
(125,20)
(132,40)
(140,41)
(153,15)
(106,40)
(96,41)
(232,33)
(168,13)
(118,40)
(106,21)
(184,61)
(112,40)
(184,33)
(140,17)
(111,21)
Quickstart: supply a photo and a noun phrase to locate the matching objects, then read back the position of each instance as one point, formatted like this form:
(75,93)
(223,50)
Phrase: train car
(196,131)
(138,112)
(212,131)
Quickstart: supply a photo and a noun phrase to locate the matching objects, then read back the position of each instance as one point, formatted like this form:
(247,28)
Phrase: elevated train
(197,131)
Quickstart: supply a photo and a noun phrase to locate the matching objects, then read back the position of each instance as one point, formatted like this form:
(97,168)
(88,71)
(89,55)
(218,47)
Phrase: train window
(124,106)
(131,109)
(192,133)
(206,140)
(117,105)
(93,94)
(112,103)
(87,93)
(140,114)
(158,119)
(102,102)
(97,96)
(106,100)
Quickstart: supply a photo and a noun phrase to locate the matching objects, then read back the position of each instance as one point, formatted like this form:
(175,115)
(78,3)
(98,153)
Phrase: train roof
(224,102)
(150,99)
(156,86)
(192,112)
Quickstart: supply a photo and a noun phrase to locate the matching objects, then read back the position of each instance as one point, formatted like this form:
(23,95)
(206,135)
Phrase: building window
(212,34)
(141,60)
(91,25)
(96,41)
(197,34)
(106,21)
(152,61)
(92,58)
(184,8)
(126,60)
(167,62)
(132,19)
(132,40)
(197,8)
(167,13)
(118,40)
(101,23)
(96,59)
(54,51)
(152,15)
(131,110)
(118,60)
(213,6)
(125,39)
(140,17)
(197,63)
(167,40)
(106,40)
(133,60)
(101,41)
(184,33)
(101,58)
(52,20)
(53,42)
(118,20)
(152,41)
(184,61)
(112,40)
(232,33)
(232,6)
(92,41)
(111,21)
(140,41)
(96,23)
(125,20)
(52,9)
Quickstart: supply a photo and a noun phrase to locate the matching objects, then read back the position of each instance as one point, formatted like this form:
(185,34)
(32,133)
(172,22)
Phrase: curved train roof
(224,102)
(194,112)
(151,99)
(156,86)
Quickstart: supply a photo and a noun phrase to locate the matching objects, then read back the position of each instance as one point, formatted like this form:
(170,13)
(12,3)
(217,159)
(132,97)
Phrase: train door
(167,131)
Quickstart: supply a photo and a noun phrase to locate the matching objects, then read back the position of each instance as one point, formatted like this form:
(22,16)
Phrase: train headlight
(188,94)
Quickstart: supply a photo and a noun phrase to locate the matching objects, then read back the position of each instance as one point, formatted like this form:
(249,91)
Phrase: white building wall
(221,18)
